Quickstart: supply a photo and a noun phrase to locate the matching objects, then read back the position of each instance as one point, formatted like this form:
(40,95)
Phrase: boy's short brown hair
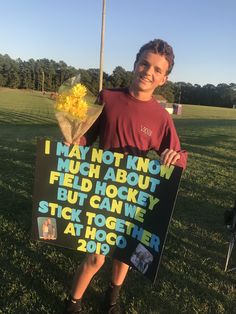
(161,47)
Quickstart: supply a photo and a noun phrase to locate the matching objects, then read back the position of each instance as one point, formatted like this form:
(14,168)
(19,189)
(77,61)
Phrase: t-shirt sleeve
(171,140)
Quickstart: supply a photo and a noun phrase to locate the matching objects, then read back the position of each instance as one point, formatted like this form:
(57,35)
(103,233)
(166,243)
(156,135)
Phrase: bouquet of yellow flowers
(74,114)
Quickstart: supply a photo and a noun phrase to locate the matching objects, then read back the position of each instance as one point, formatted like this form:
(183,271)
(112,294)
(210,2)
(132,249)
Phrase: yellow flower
(73,102)
(79,90)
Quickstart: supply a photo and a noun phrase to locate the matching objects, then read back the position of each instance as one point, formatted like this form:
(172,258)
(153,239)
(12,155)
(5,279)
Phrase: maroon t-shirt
(132,126)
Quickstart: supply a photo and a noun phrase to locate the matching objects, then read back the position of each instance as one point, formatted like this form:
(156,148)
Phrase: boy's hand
(68,144)
(76,142)
(169,156)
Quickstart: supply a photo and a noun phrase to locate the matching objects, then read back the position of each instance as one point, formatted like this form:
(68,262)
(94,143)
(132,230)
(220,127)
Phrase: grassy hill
(35,278)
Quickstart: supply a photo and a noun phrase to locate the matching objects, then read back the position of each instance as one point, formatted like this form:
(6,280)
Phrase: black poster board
(104,202)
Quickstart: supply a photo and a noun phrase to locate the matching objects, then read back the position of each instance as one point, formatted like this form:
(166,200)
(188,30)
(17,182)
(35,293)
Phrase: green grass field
(35,277)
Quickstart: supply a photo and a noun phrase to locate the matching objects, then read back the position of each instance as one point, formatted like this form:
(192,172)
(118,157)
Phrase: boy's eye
(157,70)
(144,63)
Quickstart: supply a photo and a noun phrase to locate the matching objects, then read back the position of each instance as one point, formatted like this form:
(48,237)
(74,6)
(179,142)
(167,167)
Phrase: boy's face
(149,72)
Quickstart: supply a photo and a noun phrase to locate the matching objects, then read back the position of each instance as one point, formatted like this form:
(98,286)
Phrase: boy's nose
(149,70)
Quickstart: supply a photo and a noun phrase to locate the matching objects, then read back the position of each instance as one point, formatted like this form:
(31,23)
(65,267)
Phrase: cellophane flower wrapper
(74,114)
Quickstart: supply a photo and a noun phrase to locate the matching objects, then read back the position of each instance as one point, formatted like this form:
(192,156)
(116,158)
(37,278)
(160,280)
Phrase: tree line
(48,75)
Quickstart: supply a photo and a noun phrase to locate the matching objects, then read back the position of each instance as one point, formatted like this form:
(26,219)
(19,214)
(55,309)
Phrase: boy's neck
(144,96)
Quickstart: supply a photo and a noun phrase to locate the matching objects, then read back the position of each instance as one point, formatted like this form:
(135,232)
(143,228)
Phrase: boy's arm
(170,150)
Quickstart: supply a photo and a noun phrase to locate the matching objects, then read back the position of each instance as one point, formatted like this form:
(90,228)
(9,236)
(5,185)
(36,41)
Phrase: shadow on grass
(19,118)
(37,277)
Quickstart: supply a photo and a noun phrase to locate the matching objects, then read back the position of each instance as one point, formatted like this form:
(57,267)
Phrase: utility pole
(180,91)
(102,44)
(43,79)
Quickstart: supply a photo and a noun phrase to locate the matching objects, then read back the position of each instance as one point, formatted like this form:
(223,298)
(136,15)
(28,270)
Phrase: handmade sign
(104,202)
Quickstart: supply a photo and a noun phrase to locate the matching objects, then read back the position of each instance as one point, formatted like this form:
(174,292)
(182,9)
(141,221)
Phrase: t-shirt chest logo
(146,130)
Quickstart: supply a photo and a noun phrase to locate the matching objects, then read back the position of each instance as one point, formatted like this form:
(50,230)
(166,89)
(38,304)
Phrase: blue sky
(202,33)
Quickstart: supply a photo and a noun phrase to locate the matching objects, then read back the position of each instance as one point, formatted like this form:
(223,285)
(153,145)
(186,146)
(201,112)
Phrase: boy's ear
(165,78)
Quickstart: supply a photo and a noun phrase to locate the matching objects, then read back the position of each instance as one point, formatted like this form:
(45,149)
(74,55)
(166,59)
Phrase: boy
(132,122)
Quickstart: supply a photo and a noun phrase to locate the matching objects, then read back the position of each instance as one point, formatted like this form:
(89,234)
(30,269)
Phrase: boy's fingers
(169,156)
(68,144)
(76,141)
(163,154)
(175,158)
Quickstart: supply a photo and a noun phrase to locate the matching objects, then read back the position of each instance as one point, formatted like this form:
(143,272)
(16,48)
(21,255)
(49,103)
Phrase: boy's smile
(149,73)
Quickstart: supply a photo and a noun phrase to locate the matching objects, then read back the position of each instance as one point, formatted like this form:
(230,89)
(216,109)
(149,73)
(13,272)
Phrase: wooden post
(43,79)
(102,44)
(180,94)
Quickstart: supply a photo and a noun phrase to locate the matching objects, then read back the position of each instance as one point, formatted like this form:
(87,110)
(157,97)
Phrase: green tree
(120,77)
(167,91)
